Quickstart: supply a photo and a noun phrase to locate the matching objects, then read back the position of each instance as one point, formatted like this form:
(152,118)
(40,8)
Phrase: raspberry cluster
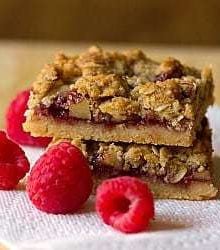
(60,181)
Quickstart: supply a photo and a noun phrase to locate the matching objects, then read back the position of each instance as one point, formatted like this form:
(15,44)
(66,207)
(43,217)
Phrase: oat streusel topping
(101,86)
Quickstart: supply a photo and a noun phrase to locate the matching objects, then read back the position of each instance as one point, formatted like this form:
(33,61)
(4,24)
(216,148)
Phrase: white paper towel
(178,224)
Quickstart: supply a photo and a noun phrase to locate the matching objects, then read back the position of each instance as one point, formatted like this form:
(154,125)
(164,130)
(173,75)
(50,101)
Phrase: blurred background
(146,21)
(31,31)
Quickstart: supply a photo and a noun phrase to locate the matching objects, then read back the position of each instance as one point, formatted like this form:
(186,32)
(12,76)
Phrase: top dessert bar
(119,96)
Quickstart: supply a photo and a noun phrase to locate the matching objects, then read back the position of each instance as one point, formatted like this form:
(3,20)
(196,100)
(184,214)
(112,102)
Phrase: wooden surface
(20,62)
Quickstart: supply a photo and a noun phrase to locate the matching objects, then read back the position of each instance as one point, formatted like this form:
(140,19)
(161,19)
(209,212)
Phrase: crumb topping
(120,108)
(100,86)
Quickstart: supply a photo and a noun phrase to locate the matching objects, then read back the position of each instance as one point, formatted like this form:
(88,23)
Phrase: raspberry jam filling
(101,169)
(111,172)
(59,108)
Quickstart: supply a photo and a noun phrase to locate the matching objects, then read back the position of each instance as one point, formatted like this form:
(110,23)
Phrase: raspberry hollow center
(122,204)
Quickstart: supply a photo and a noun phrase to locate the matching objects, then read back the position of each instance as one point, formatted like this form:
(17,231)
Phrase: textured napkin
(178,224)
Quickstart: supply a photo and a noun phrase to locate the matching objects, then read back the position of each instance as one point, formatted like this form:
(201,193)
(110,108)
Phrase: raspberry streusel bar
(172,172)
(115,96)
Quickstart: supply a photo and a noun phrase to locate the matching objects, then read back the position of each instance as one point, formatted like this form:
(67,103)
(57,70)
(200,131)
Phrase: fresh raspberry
(125,203)
(13,163)
(15,118)
(61,181)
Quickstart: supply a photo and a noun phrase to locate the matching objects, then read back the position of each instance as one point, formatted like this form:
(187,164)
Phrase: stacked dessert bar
(130,115)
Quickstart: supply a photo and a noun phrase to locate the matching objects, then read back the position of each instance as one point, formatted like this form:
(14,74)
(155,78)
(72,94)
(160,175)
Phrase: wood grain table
(21,61)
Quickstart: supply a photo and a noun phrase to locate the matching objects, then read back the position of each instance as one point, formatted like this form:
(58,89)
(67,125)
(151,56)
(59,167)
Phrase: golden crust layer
(49,127)
(196,190)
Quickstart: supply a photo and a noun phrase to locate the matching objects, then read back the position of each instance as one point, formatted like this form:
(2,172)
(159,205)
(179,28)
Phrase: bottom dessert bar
(171,172)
